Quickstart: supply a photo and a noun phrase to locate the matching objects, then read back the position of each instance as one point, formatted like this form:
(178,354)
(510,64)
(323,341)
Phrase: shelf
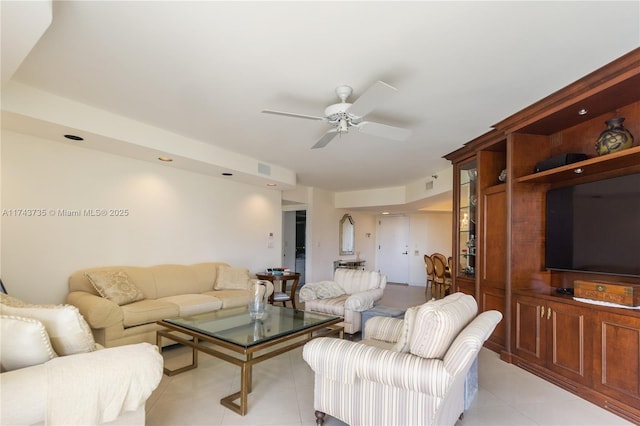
(618,160)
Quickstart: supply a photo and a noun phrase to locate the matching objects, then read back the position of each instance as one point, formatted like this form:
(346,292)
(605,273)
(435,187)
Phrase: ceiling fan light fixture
(342,115)
(342,125)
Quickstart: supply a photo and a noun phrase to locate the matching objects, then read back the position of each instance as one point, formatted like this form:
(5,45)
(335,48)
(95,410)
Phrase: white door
(393,248)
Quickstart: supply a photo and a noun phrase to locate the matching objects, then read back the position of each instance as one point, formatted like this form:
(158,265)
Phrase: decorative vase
(257,299)
(615,138)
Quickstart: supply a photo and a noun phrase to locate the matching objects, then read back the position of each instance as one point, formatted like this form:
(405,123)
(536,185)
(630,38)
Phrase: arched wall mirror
(347,235)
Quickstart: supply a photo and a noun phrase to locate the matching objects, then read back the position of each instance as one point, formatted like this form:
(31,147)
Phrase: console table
(349,264)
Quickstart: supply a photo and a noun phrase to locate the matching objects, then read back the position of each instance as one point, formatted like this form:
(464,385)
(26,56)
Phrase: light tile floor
(283,391)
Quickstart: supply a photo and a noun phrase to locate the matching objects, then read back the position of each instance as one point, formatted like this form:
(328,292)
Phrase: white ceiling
(206,69)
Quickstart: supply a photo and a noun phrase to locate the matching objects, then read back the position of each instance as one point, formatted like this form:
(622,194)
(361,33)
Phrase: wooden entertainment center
(590,350)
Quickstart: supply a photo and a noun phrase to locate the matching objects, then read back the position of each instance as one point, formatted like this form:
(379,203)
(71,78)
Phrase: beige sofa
(407,372)
(123,303)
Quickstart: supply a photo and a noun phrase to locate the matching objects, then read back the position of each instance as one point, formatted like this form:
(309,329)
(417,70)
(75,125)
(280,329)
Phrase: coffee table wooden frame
(246,356)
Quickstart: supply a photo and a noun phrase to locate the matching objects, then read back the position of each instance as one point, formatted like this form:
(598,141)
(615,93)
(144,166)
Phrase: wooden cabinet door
(494,299)
(493,270)
(617,357)
(569,341)
(493,258)
(466,286)
(528,337)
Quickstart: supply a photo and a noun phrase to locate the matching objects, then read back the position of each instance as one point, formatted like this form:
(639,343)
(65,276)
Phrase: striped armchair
(351,292)
(407,372)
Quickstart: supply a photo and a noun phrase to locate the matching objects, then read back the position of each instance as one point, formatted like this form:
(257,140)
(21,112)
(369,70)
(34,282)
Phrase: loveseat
(407,372)
(54,373)
(123,303)
(351,292)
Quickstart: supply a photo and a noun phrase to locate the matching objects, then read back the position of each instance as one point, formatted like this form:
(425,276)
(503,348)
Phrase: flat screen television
(595,227)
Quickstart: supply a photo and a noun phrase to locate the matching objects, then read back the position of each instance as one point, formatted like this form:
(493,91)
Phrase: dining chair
(428,264)
(441,282)
(441,256)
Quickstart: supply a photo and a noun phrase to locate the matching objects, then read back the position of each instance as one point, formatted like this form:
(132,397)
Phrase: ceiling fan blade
(371,98)
(325,139)
(384,131)
(292,114)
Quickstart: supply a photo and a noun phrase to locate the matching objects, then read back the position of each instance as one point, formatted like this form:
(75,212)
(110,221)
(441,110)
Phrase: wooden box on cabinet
(622,294)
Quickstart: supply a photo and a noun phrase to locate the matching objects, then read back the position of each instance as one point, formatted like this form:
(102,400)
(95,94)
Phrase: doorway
(294,242)
(393,248)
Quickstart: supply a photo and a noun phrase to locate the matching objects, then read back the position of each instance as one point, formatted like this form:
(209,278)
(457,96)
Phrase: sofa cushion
(232,278)
(68,332)
(148,311)
(24,342)
(115,285)
(231,298)
(354,280)
(438,323)
(404,339)
(192,304)
(171,280)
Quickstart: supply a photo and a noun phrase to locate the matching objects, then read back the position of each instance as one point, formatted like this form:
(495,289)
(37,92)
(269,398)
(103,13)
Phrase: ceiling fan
(344,115)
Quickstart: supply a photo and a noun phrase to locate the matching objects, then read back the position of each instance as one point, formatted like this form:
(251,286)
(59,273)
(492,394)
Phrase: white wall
(322,235)
(173,216)
(429,233)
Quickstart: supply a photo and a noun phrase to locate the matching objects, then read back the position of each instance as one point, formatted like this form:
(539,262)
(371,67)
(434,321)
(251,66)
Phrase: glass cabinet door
(467,219)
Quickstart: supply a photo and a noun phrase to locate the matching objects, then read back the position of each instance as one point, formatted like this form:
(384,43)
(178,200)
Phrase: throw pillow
(24,342)
(321,290)
(115,286)
(438,323)
(68,331)
(232,278)
(329,290)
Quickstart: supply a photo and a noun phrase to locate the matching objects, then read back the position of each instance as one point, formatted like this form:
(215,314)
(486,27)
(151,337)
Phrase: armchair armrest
(386,329)
(97,387)
(405,371)
(334,358)
(363,300)
(342,361)
(98,311)
(88,388)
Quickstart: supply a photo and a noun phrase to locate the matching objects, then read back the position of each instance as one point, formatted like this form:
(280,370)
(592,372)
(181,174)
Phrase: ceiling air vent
(264,169)
(428,185)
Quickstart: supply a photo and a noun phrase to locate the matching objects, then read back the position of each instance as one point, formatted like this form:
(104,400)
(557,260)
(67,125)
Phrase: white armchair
(350,293)
(53,372)
(415,375)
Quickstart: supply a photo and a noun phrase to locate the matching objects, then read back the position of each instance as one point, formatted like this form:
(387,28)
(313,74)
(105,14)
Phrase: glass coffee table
(231,335)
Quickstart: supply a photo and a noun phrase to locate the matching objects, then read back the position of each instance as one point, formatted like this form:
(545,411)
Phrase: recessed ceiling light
(271,184)
(385,212)
(74,137)
(583,111)
(167,159)
(227,174)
